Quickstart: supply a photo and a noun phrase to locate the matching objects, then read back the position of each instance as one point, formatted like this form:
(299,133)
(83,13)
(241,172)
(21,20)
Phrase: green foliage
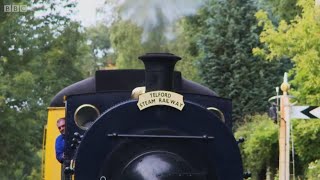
(298,41)
(227,65)
(38,57)
(282,9)
(185,46)
(98,44)
(260,149)
(126,42)
(189,31)
(313,172)
(126,39)
(306,139)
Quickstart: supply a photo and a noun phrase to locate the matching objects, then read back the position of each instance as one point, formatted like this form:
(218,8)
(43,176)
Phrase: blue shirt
(60,148)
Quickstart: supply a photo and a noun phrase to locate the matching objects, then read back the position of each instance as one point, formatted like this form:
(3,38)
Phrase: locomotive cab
(112,136)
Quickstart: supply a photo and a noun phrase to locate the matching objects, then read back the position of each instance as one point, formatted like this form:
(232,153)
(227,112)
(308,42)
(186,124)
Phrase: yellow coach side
(51,168)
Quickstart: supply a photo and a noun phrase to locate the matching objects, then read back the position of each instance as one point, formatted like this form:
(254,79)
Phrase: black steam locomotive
(109,137)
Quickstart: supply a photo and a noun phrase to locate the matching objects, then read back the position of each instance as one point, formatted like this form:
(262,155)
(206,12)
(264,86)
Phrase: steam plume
(157,15)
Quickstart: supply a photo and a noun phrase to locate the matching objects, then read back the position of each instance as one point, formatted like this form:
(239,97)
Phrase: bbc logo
(15,8)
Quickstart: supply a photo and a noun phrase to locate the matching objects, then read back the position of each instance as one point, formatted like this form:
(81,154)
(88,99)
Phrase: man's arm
(59,149)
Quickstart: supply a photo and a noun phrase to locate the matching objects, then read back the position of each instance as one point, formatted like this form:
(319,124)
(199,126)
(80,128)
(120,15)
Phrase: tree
(148,31)
(185,45)
(125,38)
(306,141)
(298,41)
(313,172)
(260,148)
(227,65)
(15,150)
(38,57)
(281,9)
(99,45)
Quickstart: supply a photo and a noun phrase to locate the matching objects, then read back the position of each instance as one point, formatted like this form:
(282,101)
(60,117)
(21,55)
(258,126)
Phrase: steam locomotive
(147,124)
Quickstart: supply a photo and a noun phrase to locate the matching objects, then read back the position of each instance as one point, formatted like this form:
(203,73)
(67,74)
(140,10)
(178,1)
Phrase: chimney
(159,69)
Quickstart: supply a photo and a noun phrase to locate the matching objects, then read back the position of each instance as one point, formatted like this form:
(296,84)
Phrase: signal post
(287,112)
(284,132)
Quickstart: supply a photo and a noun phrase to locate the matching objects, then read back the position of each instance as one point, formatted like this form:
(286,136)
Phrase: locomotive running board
(158,136)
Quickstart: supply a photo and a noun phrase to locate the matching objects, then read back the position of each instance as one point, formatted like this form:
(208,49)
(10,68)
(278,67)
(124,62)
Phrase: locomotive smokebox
(126,142)
(159,69)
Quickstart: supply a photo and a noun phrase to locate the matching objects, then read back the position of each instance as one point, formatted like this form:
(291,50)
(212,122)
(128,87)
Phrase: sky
(87,11)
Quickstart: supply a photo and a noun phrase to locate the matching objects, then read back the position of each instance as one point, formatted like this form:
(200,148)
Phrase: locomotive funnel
(159,69)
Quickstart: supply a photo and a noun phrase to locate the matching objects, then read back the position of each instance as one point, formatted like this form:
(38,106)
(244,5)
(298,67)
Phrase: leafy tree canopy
(39,55)
(281,9)
(300,42)
(260,148)
(125,38)
(306,135)
(227,65)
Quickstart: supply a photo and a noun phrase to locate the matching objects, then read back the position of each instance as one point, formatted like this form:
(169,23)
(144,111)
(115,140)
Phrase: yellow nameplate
(166,98)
